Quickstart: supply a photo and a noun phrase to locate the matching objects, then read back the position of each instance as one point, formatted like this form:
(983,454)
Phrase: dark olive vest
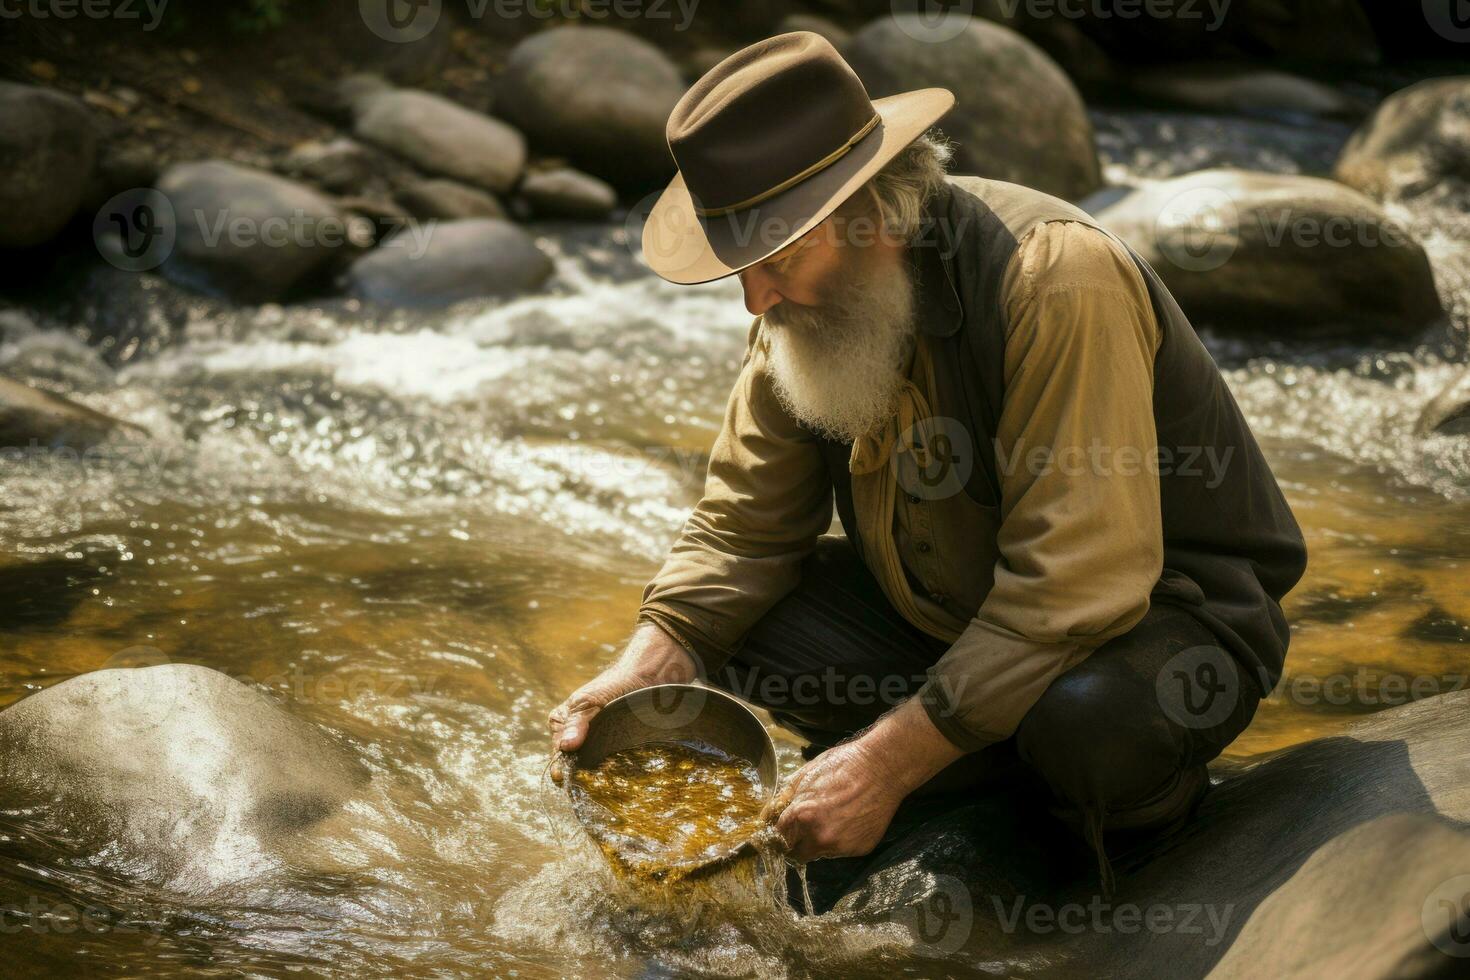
(1232,549)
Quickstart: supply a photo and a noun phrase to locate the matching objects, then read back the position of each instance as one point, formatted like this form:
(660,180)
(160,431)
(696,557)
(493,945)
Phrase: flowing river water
(421,532)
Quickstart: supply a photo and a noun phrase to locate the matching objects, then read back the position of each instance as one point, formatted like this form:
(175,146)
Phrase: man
(1063,546)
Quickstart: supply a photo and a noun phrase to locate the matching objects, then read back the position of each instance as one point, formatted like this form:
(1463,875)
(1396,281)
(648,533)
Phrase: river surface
(421,532)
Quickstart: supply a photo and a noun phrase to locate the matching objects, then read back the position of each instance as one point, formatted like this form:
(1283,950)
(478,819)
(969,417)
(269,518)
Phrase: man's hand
(837,805)
(651,657)
(840,803)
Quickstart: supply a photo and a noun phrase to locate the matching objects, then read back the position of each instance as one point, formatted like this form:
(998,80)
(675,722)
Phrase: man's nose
(760,291)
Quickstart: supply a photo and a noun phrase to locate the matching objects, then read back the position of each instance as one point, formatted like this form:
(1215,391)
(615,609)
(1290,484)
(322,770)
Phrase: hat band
(789,182)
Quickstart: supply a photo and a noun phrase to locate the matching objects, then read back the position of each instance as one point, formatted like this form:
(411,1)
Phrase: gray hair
(905,184)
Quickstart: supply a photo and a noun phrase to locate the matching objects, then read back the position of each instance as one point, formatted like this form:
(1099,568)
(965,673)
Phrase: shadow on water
(40,595)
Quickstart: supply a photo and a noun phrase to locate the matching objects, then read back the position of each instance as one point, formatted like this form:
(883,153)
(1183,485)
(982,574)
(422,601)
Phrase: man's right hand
(651,657)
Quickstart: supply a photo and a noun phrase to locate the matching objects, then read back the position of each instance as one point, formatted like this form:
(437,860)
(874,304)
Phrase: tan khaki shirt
(1066,562)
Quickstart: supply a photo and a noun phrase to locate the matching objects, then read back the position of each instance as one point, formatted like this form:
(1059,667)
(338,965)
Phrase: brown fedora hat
(768,144)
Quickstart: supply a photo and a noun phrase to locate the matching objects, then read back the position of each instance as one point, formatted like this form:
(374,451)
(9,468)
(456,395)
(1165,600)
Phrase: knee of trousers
(1101,739)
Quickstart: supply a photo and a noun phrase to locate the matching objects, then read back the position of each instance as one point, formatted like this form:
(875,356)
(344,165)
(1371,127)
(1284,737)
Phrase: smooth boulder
(1279,252)
(1417,142)
(32,417)
(447,200)
(1017,116)
(441,137)
(48,148)
(338,165)
(1322,860)
(1242,89)
(597,96)
(246,233)
(562,192)
(448,262)
(176,774)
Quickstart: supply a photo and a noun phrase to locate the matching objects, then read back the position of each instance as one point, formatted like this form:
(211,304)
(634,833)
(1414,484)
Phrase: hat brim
(685,248)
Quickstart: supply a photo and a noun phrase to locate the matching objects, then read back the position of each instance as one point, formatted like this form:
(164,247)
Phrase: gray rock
(184,776)
(355,87)
(448,200)
(442,137)
(48,147)
(440,264)
(1278,252)
(1017,115)
(1448,413)
(1242,89)
(337,165)
(597,96)
(30,416)
(1322,860)
(567,193)
(245,233)
(1416,142)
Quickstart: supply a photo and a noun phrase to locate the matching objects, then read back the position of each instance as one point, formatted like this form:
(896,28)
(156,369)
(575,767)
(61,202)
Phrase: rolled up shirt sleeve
(1080,541)
(767,497)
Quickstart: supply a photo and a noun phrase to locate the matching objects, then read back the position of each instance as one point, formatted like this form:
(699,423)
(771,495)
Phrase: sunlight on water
(420,533)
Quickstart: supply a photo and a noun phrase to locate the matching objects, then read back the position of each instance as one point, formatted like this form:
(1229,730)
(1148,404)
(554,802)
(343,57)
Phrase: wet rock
(1243,89)
(1323,860)
(1017,115)
(1448,413)
(246,233)
(185,776)
(32,417)
(597,96)
(1374,881)
(1416,142)
(432,266)
(442,137)
(337,165)
(566,193)
(48,147)
(355,87)
(448,200)
(1277,252)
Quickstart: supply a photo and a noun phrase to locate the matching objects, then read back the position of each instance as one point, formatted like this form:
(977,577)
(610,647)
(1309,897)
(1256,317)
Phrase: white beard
(838,368)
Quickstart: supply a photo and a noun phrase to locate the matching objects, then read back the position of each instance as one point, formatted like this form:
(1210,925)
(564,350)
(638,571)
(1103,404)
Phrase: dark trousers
(1110,750)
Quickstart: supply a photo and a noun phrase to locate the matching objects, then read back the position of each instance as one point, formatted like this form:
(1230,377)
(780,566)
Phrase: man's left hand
(841,803)
(837,805)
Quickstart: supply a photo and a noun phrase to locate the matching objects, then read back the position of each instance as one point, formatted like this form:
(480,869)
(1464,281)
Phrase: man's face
(839,323)
(806,272)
